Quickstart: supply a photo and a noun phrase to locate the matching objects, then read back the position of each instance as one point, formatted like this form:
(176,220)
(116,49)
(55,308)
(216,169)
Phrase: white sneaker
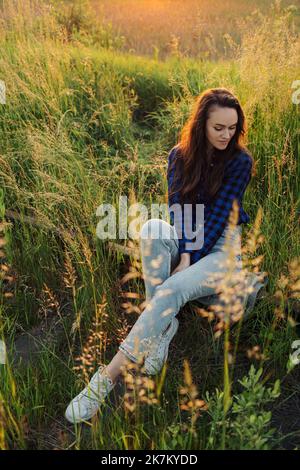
(159,351)
(87,402)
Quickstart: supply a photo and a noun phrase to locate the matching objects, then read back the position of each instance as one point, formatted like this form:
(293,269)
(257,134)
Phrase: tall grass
(82,125)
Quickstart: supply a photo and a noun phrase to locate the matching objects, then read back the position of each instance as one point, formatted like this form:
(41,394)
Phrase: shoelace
(96,384)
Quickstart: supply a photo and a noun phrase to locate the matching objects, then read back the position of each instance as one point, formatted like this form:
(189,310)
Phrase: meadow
(93,105)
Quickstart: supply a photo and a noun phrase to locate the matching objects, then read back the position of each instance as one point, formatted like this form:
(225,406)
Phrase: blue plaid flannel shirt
(236,179)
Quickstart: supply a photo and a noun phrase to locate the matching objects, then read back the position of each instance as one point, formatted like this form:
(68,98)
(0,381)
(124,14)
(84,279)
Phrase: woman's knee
(156,229)
(172,291)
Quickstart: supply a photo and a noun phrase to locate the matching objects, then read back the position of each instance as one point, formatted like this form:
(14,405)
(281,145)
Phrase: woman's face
(221,126)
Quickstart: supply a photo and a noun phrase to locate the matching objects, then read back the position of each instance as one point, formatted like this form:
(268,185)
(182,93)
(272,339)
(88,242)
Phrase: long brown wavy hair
(194,161)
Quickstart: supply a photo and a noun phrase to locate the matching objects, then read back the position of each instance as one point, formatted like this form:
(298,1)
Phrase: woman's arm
(173,199)
(236,179)
(185,262)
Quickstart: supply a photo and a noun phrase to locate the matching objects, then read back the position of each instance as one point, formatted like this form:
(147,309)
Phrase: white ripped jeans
(166,294)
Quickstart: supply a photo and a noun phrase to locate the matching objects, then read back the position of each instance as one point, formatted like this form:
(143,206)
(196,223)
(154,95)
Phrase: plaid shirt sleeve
(174,199)
(235,181)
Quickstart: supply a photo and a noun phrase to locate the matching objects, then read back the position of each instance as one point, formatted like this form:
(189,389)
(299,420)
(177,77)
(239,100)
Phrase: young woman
(210,166)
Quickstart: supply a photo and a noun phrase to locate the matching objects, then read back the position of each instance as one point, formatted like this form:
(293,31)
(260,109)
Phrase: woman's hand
(185,262)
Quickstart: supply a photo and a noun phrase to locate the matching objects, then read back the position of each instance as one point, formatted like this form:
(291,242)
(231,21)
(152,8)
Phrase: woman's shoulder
(174,155)
(242,158)
(245,156)
(174,150)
